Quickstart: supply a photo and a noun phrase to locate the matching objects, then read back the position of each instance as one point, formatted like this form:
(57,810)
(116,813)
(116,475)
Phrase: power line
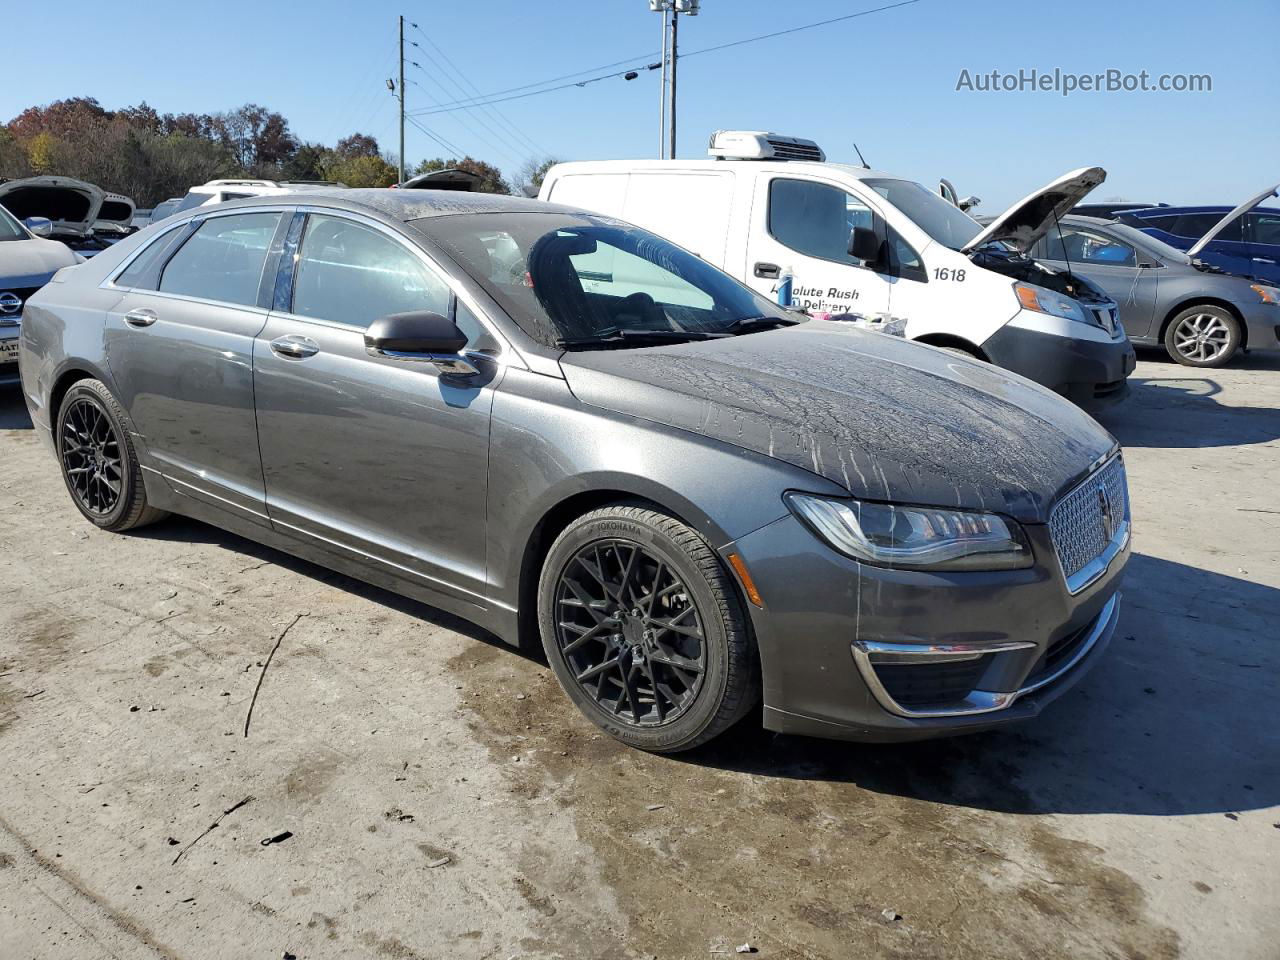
(462,119)
(498,115)
(452,148)
(496,97)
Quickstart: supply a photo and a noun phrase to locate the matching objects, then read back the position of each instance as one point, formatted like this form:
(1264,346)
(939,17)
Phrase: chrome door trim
(978,701)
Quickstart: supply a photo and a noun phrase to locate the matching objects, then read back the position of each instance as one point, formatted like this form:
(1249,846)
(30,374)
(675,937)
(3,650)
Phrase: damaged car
(565,429)
(27,260)
(74,208)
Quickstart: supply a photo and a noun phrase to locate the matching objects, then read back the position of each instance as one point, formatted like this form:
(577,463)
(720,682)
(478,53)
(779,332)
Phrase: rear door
(1112,264)
(379,459)
(803,223)
(180,345)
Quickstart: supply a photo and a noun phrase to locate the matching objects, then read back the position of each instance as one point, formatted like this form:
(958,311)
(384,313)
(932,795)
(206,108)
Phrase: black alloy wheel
(644,627)
(98,460)
(91,458)
(630,632)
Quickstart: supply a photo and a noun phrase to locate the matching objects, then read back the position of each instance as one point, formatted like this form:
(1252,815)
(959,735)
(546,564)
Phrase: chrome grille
(1085,522)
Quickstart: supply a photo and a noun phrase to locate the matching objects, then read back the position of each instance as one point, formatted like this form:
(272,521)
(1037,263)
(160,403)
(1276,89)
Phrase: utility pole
(401,91)
(662,89)
(671,109)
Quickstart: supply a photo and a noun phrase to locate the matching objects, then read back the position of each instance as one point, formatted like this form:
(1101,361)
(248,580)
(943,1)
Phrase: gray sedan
(1201,316)
(564,428)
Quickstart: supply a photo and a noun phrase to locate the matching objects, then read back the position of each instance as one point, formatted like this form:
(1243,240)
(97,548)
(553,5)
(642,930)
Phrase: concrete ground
(444,801)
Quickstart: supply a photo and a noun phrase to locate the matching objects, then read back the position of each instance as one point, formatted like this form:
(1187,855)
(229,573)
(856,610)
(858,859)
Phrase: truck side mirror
(865,244)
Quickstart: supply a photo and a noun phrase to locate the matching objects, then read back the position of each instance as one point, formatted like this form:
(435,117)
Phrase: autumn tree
(532,172)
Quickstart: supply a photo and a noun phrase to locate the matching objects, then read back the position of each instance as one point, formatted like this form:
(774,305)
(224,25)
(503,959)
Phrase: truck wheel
(99,464)
(643,627)
(1202,336)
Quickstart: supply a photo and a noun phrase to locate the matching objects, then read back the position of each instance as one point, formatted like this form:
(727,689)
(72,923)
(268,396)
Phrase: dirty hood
(72,205)
(1237,212)
(30,263)
(883,417)
(1027,220)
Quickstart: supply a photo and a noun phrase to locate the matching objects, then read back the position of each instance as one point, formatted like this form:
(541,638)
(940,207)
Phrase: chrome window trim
(867,652)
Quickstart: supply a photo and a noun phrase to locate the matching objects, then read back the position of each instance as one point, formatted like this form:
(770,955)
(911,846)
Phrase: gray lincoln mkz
(555,424)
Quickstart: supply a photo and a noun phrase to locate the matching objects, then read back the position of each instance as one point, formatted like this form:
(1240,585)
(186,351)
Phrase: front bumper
(1084,364)
(833,631)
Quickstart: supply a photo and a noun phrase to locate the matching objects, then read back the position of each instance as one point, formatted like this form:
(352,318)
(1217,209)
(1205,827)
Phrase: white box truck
(859,240)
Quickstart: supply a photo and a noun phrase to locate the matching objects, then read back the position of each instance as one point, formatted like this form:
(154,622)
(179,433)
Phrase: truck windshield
(944,222)
(582,282)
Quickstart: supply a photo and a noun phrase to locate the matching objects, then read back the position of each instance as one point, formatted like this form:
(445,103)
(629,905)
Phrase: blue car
(1244,240)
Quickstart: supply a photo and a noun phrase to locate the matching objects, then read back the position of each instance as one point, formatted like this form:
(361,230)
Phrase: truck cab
(855,240)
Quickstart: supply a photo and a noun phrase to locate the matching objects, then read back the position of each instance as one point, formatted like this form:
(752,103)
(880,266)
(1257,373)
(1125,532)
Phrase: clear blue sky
(886,80)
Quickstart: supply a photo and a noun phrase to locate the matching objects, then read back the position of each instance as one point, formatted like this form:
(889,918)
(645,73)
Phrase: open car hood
(116,211)
(1237,212)
(72,205)
(1027,220)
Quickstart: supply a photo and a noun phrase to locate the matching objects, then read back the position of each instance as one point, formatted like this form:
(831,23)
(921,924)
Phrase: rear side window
(223,259)
(1266,228)
(1196,225)
(1089,246)
(353,274)
(144,272)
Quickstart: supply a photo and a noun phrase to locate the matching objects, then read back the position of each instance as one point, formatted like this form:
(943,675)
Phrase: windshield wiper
(752,324)
(627,337)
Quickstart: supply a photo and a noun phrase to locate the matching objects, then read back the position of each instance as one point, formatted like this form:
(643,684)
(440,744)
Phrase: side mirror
(40,226)
(420,337)
(865,244)
(968,203)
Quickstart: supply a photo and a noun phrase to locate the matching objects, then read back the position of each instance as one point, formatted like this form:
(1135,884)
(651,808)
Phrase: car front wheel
(1203,336)
(644,629)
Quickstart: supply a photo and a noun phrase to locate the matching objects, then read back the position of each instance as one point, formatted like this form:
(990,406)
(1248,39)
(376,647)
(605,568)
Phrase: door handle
(767,271)
(294,347)
(141,317)
(1262,260)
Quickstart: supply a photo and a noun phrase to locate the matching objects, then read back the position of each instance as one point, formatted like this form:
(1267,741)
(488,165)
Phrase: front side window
(815,219)
(1089,246)
(223,259)
(575,280)
(1193,226)
(349,273)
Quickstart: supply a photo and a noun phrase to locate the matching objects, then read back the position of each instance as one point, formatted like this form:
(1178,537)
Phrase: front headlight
(1267,294)
(914,537)
(1044,300)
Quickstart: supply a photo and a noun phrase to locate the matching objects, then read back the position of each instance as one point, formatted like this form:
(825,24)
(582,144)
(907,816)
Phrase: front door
(804,224)
(179,345)
(379,459)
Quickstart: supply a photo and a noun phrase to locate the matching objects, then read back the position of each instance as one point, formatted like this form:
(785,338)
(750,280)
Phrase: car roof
(406,205)
(1219,209)
(713,163)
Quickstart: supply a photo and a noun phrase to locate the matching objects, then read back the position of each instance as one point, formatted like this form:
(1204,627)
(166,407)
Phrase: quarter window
(353,274)
(144,272)
(223,259)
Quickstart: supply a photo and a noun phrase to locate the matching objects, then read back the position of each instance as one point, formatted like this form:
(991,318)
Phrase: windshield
(944,222)
(10,229)
(574,280)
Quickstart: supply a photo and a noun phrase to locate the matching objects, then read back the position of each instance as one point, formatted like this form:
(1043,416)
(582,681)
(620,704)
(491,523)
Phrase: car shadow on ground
(13,411)
(1169,722)
(1182,411)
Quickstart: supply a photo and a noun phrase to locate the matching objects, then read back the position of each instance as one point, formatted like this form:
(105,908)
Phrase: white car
(27,261)
(856,240)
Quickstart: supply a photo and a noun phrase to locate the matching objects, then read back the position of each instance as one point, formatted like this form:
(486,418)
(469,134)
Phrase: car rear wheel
(644,629)
(1203,336)
(99,464)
